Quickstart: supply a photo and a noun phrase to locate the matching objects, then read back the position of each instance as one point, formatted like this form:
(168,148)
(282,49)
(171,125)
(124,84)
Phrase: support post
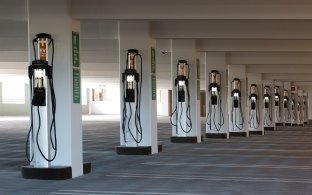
(255,104)
(216,95)
(68,162)
(237,100)
(186,113)
(268,104)
(138,126)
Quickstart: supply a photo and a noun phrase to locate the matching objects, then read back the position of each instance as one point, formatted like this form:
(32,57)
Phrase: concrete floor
(279,162)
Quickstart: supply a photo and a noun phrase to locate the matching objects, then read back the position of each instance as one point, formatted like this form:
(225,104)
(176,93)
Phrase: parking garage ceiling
(273,37)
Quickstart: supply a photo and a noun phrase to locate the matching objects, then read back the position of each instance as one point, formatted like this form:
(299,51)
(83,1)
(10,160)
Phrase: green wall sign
(76,68)
(153,73)
(198,78)
(75,49)
(76,86)
(153,60)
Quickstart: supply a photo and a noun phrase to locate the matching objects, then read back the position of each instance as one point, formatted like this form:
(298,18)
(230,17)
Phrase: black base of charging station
(238,134)
(51,173)
(87,168)
(176,139)
(279,124)
(216,135)
(300,125)
(268,128)
(256,133)
(294,124)
(140,150)
(305,123)
(287,124)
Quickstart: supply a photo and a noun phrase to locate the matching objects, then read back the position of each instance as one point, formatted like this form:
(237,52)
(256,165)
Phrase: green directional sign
(153,73)
(75,49)
(76,86)
(154,91)
(198,78)
(153,60)
(76,68)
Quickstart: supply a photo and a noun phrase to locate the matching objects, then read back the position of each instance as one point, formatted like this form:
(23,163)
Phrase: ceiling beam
(231,29)
(195,9)
(288,77)
(280,68)
(262,58)
(224,45)
(13,10)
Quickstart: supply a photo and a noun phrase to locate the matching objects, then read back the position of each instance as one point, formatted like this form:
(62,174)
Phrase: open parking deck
(280,162)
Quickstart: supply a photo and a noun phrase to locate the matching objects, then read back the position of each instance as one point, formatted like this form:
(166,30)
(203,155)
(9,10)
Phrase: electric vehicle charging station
(299,111)
(293,109)
(286,105)
(236,109)
(254,123)
(216,63)
(41,144)
(214,113)
(134,139)
(300,114)
(278,106)
(294,105)
(305,108)
(181,115)
(267,108)
(131,120)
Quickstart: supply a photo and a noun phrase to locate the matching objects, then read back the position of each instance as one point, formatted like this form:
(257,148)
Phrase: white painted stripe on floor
(119,192)
(267,142)
(302,144)
(12,158)
(256,149)
(246,156)
(211,178)
(228,165)
(6,172)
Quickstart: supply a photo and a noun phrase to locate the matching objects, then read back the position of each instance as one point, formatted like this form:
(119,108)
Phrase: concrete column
(278,105)
(255,104)
(268,116)
(1,105)
(294,105)
(53,17)
(309,101)
(305,107)
(186,126)
(287,103)
(216,114)
(136,35)
(300,108)
(237,109)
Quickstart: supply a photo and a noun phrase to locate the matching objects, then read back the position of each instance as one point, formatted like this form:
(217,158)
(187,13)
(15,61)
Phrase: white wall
(15,109)
(111,104)
(162,102)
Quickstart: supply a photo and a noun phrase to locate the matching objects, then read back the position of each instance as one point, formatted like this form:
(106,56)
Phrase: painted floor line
(259,144)
(246,156)
(268,141)
(255,149)
(228,165)
(210,178)
(119,192)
